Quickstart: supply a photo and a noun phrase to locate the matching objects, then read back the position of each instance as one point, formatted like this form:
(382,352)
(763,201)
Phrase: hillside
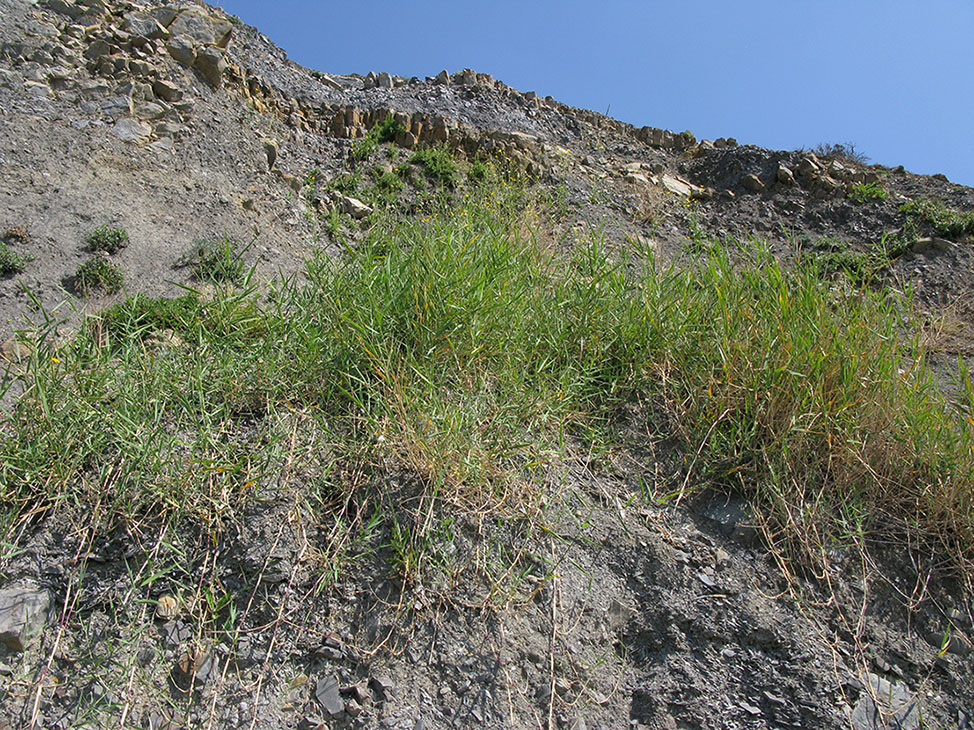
(365,401)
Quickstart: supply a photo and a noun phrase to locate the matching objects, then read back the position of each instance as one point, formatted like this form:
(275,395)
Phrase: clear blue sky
(894,77)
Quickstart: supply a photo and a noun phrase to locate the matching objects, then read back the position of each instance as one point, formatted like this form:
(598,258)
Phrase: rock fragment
(23,615)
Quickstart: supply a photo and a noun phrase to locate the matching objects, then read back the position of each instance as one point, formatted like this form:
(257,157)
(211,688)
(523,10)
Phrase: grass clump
(933,216)
(829,256)
(99,273)
(463,351)
(216,260)
(439,164)
(11,262)
(107,239)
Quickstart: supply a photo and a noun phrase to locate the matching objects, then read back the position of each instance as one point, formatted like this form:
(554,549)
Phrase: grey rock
(211,62)
(182,49)
(165,15)
(149,111)
(142,24)
(132,130)
(753,183)
(202,27)
(383,687)
(370,80)
(166,90)
(385,80)
(809,166)
(23,614)
(64,7)
(271,150)
(355,207)
(784,175)
(328,695)
(443,77)
(885,705)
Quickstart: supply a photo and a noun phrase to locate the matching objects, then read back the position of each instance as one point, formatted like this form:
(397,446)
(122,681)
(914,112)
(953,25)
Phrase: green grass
(861,266)
(99,273)
(107,239)
(460,350)
(219,261)
(12,262)
(864,192)
(932,216)
(439,164)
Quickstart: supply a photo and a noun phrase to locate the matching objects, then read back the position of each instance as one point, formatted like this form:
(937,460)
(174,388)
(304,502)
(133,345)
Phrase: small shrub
(11,262)
(439,164)
(364,148)
(98,273)
(384,132)
(478,171)
(109,240)
(16,234)
(847,152)
(864,192)
(388,182)
(345,184)
(387,130)
(217,261)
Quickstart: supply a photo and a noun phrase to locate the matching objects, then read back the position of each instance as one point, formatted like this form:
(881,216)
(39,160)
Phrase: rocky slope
(179,123)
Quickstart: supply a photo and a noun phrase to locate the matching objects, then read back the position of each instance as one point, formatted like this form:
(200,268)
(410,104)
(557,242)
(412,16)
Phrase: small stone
(328,695)
(383,687)
(167,608)
(353,708)
(5,671)
(166,90)
(753,183)
(312,722)
(355,207)
(271,150)
(23,615)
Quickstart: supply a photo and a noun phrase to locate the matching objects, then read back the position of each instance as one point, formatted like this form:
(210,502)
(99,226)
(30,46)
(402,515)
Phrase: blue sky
(894,78)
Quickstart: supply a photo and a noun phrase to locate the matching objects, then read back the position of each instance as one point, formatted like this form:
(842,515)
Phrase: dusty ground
(622,612)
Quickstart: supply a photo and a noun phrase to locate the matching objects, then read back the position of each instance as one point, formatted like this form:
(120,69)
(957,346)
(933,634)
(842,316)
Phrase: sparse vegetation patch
(107,239)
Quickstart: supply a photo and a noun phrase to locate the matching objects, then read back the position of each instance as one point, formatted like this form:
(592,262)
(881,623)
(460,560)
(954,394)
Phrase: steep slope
(587,606)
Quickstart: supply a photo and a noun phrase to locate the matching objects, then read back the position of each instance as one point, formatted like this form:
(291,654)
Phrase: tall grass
(462,349)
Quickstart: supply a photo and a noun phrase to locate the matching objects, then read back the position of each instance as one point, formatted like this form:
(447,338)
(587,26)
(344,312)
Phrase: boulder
(211,62)
(144,25)
(809,166)
(204,28)
(23,614)
(384,80)
(442,78)
(165,14)
(182,48)
(784,175)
